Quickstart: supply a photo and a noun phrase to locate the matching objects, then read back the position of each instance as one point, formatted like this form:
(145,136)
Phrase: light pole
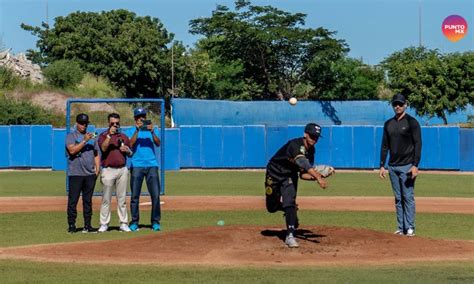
(172,70)
(420,43)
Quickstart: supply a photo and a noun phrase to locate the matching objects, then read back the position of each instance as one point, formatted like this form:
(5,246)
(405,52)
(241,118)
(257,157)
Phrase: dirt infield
(253,246)
(217,203)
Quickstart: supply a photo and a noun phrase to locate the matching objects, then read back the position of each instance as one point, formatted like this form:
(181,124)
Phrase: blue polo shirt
(143,150)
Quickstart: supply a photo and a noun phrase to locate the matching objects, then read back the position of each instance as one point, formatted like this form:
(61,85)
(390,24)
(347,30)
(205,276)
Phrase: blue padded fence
(251,146)
(281,113)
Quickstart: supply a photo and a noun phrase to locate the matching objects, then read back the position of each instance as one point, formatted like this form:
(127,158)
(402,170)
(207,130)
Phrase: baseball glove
(324,170)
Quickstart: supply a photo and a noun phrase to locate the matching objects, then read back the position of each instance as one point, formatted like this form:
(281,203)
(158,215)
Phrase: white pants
(110,178)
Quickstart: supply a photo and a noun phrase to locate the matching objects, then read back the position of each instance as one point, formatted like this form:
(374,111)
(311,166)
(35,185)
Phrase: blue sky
(373,28)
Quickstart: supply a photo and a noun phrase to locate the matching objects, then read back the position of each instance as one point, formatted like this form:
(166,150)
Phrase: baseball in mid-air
(293,101)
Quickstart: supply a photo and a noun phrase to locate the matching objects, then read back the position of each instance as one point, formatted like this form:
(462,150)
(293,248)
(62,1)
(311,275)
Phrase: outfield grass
(50,227)
(25,271)
(47,183)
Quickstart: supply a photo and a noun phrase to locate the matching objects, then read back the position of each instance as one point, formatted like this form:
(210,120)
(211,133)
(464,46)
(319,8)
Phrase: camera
(146,122)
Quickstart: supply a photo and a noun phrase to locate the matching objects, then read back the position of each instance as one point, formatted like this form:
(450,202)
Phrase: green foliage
(275,52)
(95,87)
(63,74)
(354,81)
(433,83)
(25,113)
(8,79)
(203,77)
(130,51)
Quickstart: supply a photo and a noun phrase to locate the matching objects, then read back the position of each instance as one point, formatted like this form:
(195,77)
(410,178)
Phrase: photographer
(83,168)
(115,147)
(144,165)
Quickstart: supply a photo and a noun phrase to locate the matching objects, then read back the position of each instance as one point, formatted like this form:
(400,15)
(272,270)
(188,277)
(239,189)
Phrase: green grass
(25,271)
(50,227)
(47,183)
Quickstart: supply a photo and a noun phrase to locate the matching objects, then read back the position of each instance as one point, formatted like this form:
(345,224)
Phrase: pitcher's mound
(253,245)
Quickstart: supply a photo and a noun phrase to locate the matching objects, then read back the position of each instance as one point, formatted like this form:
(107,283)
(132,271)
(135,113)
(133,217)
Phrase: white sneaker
(398,232)
(103,228)
(291,241)
(124,228)
(410,233)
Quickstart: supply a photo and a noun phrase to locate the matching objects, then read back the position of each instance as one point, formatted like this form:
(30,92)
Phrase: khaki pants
(110,178)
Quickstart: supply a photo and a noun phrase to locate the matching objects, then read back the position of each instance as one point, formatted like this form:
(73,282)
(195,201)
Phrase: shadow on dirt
(302,234)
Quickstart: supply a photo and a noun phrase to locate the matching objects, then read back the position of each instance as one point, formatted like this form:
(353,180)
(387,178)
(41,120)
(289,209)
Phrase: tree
(433,83)
(63,74)
(201,77)
(128,50)
(354,80)
(275,51)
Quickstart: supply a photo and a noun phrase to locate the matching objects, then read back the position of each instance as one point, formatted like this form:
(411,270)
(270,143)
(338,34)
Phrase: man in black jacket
(402,138)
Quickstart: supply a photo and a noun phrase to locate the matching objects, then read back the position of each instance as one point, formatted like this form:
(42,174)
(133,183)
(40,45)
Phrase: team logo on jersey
(268,190)
(269,181)
(303,150)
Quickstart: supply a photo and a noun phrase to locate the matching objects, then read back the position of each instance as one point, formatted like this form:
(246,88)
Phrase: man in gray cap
(83,168)
(294,159)
(402,138)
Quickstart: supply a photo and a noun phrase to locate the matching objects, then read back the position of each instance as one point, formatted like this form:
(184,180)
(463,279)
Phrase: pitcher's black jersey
(282,165)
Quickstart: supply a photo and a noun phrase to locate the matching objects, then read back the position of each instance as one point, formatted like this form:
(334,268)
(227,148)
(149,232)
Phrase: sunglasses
(397,104)
(114,124)
(83,123)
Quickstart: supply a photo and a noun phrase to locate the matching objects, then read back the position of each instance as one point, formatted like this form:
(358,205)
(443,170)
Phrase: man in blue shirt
(144,165)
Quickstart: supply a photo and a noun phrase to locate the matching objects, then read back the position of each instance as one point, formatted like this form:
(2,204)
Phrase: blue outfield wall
(251,146)
(281,113)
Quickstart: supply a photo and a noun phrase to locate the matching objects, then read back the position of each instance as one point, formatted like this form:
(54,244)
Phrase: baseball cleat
(398,232)
(291,242)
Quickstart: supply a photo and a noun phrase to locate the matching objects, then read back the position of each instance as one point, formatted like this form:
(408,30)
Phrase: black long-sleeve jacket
(403,139)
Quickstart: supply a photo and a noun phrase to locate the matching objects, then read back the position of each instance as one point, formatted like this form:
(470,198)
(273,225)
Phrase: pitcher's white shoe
(291,242)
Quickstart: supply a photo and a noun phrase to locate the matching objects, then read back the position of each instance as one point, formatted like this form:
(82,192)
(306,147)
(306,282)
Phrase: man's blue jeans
(150,174)
(403,186)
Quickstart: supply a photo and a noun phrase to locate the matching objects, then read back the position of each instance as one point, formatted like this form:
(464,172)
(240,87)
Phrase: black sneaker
(72,229)
(89,229)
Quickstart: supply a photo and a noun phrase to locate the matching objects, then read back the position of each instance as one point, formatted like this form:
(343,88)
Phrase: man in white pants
(115,147)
